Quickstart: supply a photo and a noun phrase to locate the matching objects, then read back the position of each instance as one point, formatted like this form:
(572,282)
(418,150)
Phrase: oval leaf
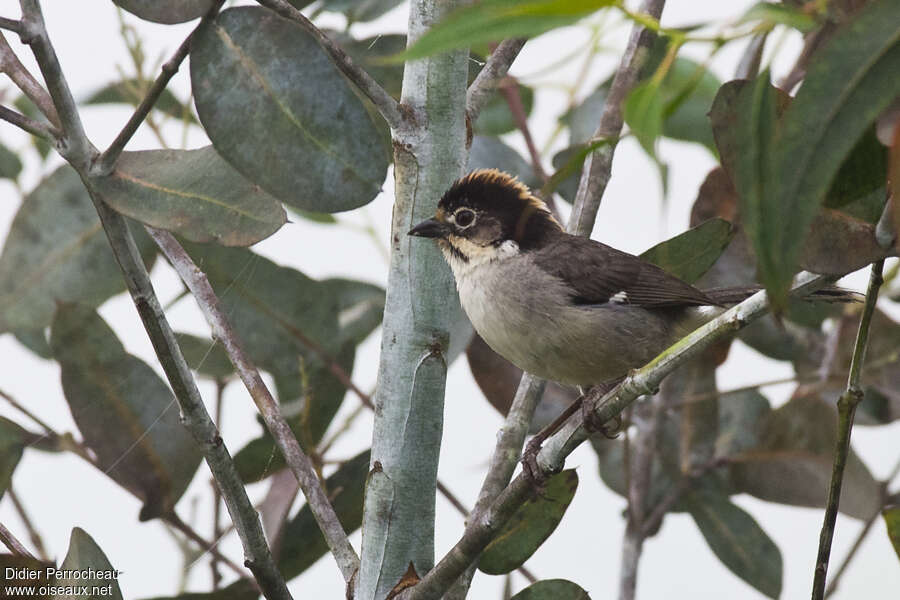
(56,251)
(315,147)
(167,12)
(690,254)
(552,589)
(85,555)
(125,412)
(738,541)
(530,526)
(193,193)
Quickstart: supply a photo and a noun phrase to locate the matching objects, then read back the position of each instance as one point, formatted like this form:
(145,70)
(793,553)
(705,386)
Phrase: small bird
(562,307)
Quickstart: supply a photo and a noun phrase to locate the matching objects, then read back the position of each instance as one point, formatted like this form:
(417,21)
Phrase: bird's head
(487,215)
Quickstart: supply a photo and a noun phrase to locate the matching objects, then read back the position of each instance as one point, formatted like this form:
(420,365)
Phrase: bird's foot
(530,467)
(610,429)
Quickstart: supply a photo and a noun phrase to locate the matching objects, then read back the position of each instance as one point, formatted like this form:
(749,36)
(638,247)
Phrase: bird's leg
(529,457)
(611,428)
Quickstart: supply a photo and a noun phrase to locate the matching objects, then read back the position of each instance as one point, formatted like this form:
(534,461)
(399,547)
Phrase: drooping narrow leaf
(129,91)
(552,589)
(530,526)
(125,412)
(83,558)
(643,112)
(493,20)
(315,147)
(738,541)
(56,251)
(892,521)
(167,12)
(12,443)
(690,254)
(193,193)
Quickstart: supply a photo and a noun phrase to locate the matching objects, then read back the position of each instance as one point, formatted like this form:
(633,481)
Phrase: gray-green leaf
(84,554)
(552,589)
(167,12)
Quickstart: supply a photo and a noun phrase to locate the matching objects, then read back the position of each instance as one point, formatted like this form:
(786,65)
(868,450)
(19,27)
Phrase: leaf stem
(107,161)
(847,404)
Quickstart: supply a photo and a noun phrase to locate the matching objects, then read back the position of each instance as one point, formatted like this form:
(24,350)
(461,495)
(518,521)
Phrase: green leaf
(56,251)
(792,463)
(315,217)
(167,12)
(742,417)
(779,14)
(643,111)
(242,589)
(360,308)
(315,147)
(192,193)
(35,340)
(688,91)
(205,356)
(489,152)
(530,526)
(303,543)
(25,106)
(494,20)
(258,459)
(552,589)
(892,522)
(131,91)
(369,53)
(496,118)
(85,555)
(738,541)
(583,119)
(25,566)
(12,443)
(690,254)
(360,10)
(861,178)
(125,412)
(10,165)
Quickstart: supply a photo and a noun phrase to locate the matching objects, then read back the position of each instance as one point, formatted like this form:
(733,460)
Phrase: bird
(563,307)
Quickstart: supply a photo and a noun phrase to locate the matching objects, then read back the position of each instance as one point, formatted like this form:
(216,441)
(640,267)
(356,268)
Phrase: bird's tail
(733,295)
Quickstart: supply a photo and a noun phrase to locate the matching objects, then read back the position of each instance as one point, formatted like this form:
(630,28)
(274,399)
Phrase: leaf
(360,307)
(167,12)
(860,177)
(688,91)
(35,340)
(489,152)
(583,119)
(28,574)
(643,111)
(315,147)
(25,106)
(242,589)
(496,118)
(690,254)
(258,459)
(494,20)
(838,243)
(892,522)
(12,444)
(56,252)
(125,412)
(86,557)
(530,526)
(742,417)
(205,356)
(192,193)
(303,542)
(738,541)
(552,589)
(792,464)
(360,10)
(132,91)
(369,53)
(10,165)
(779,14)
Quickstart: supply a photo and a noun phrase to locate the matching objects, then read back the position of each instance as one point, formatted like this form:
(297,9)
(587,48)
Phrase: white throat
(475,256)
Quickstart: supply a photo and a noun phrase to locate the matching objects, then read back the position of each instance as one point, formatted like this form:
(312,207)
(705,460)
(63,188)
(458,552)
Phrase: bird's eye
(464,217)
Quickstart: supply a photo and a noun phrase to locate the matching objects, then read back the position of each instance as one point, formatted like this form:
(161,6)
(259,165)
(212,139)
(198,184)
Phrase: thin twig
(14,545)
(107,161)
(847,404)
(300,464)
(25,81)
(509,89)
(388,107)
(217,495)
(41,130)
(11,25)
(36,539)
(598,164)
(491,75)
(479,532)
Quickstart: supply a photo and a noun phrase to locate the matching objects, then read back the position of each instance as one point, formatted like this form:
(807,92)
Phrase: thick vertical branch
(421,305)
(847,404)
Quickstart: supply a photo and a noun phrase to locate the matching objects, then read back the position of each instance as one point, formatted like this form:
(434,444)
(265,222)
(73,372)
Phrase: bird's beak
(430,228)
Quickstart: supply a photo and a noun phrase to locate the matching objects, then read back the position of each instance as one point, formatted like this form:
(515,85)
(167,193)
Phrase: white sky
(63,492)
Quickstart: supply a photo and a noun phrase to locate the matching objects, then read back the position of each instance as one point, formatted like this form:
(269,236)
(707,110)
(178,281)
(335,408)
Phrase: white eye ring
(464,217)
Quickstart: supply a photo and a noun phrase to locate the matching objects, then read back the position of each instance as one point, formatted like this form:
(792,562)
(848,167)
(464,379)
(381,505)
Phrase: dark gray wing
(598,274)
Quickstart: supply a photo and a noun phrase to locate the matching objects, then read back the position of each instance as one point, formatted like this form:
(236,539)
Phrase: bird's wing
(597,274)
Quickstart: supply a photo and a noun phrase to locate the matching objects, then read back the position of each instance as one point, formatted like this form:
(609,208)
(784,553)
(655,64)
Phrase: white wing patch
(619,298)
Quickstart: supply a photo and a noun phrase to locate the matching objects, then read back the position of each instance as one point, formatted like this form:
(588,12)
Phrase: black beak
(430,228)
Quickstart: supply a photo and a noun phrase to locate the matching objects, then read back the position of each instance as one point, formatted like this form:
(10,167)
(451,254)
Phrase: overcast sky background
(61,492)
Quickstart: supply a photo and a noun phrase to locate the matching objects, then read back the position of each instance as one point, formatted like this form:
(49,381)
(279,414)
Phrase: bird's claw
(609,429)
(530,467)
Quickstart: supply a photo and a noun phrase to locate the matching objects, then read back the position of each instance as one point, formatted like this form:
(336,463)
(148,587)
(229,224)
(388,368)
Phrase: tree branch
(550,460)
(389,108)
(493,72)
(107,161)
(300,464)
(36,128)
(36,539)
(25,81)
(11,25)
(598,164)
(14,545)
(846,404)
